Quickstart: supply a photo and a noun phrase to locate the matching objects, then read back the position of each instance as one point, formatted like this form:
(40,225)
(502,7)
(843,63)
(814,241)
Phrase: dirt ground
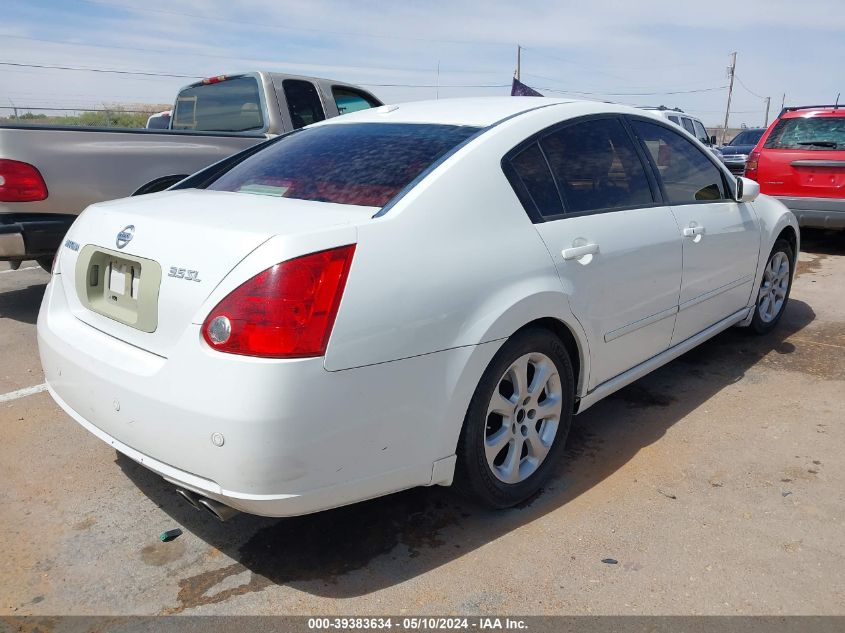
(717,483)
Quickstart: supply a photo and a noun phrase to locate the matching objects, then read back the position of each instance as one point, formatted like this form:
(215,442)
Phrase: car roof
(477,111)
(813,111)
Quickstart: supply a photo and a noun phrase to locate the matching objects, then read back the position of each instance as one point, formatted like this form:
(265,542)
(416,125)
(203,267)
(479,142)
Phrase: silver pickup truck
(48,175)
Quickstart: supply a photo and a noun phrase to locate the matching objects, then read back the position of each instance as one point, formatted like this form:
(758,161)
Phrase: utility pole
(768,101)
(732,71)
(518,61)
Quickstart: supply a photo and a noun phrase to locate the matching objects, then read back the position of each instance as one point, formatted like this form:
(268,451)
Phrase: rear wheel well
(791,237)
(562,331)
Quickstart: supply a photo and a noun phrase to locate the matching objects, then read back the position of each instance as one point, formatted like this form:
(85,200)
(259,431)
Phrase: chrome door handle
(692,231)
(577,252)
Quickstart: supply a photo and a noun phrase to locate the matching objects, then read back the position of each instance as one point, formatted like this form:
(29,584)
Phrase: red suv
(800,160)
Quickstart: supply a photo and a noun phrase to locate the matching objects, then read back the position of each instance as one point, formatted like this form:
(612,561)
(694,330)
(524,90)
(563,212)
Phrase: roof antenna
(836,105)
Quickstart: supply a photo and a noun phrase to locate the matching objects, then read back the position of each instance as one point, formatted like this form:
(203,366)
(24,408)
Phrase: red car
(800,160)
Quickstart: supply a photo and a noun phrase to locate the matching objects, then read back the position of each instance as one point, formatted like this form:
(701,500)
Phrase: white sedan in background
(401,297)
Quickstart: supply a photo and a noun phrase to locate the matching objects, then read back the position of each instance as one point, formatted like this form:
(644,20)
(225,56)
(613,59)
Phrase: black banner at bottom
(403,623)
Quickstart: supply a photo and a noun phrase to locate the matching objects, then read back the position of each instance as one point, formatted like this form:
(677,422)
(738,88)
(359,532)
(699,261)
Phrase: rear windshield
(812,133)
(232,105)
(747,137)
(355,163)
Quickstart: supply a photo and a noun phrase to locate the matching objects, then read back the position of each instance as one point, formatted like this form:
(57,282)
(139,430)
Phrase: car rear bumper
(296,437)
(31,236)
(826,213)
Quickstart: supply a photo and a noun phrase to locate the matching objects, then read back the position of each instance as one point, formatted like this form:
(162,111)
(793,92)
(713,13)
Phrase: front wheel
(773,294)
(518,420)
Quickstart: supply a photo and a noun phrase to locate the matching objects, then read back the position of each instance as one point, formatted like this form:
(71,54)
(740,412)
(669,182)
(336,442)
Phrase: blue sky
(631,52)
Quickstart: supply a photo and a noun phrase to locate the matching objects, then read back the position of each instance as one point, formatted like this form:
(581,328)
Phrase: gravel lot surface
(717,483)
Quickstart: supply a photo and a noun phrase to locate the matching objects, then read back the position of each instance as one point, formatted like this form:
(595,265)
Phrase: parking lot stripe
(3,272)
(20,393)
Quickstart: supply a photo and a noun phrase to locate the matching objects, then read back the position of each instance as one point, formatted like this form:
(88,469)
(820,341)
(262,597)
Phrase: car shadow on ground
(21,304)
(822,242)
(365,547)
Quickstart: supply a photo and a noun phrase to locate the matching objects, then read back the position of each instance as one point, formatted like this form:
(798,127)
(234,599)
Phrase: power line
(376,85)
(217,56)
(749,89)
(83,109)
(154,74)
(99,70)
(672,91)
(634,94)
(720,111)
(436,85)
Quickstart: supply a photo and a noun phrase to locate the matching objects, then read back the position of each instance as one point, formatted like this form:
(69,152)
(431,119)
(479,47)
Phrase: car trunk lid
(139,268)
(816,174)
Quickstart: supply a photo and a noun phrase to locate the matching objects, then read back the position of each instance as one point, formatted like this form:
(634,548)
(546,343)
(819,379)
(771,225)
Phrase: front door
(721,237)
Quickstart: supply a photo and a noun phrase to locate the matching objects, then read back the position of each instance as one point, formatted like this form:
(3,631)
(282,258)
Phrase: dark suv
(800,160)
(735,153)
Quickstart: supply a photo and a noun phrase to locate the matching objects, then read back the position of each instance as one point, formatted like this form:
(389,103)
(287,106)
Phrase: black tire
(474,475)
(758,324)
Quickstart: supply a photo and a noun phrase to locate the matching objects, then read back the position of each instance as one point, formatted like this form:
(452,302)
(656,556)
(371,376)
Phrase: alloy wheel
(774,287)
(523,418)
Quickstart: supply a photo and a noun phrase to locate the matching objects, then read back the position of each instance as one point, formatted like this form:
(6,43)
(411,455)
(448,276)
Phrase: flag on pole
(519,89)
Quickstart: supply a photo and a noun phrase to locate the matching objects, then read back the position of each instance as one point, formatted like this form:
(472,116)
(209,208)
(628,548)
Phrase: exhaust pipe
(219,510)
(190,497)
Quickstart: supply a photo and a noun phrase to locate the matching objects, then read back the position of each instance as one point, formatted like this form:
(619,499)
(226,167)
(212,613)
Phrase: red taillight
(751,165)
(20,182)
(287,311)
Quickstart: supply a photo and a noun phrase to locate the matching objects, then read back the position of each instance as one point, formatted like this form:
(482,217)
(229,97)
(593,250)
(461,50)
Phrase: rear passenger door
(615,245)
(721,237)
(304,104)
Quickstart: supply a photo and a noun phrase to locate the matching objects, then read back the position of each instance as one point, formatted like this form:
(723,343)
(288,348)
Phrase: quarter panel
(443,266)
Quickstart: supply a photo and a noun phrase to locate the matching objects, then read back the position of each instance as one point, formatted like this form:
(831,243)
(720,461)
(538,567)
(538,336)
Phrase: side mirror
(747,190)
(713,139)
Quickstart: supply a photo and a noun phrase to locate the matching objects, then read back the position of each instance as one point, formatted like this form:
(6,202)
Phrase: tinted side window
(688,125)
(688,174)
(303,102)
(533,170)
(701,133)
(674,120)
(596,166)
(348,100)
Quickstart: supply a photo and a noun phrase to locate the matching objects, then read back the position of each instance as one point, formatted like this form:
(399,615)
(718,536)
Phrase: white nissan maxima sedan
(404,296)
